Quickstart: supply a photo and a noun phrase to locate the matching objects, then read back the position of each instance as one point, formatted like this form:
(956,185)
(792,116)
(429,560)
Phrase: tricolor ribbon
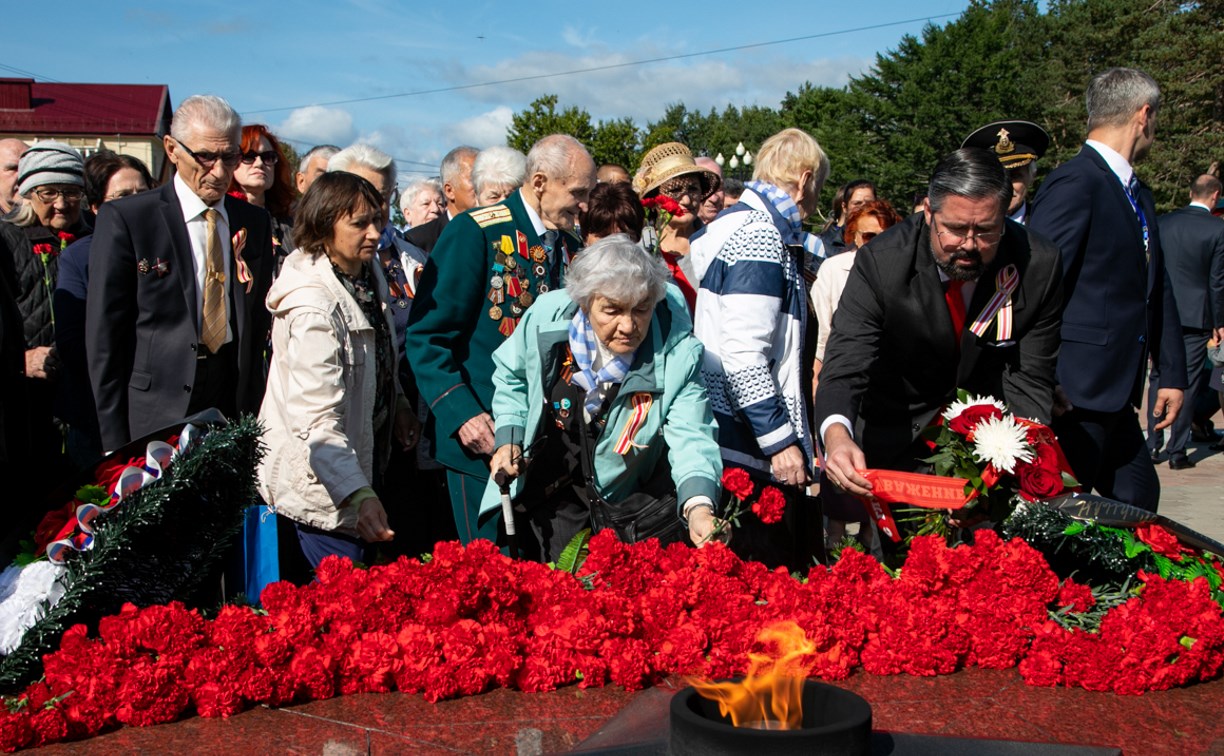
(238,243)
(1000,304)
(642,402)
(77,535)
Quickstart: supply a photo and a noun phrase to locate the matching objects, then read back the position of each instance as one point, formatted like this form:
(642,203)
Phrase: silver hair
(365,156)
(1026,173)
(970,172)
(616,268)
(205,110)
(452,162)
(23,215)
(554,156)
(499,166)
(409,193)
(1115,95)
(325,151)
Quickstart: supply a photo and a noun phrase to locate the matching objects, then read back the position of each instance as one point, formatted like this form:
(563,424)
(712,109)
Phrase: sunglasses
(269,157)
(208,159)
(868,235)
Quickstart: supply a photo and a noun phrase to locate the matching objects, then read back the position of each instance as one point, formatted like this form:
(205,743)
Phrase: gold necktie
(212,329)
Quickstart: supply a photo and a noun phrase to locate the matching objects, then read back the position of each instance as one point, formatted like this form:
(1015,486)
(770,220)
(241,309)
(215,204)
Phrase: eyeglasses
(979,238)
(124,193)
(71,195)
(676,190)
(867,236)
(269,157)
(208,159)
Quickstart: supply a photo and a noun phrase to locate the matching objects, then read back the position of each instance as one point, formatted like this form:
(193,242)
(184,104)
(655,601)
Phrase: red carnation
(1162,541)
(664,203)
(770,506)
(966,421)
(46,250)
(737,481)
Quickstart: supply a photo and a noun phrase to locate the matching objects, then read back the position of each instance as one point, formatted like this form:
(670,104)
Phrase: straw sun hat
(668,161)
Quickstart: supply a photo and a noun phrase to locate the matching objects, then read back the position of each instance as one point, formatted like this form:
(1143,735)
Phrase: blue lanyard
(1138,212)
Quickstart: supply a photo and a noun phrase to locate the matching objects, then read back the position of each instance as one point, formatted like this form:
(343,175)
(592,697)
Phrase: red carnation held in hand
(770,506)
(736,481)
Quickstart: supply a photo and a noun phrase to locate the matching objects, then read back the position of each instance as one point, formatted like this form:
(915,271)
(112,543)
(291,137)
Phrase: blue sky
(277,61)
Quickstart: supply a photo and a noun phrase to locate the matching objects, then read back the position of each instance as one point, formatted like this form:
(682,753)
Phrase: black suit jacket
(892,360)
(143,327)
(1118,307)
(426,235)
(1193,243)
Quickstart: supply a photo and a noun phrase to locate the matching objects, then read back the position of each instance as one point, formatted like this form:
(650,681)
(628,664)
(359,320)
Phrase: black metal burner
(835,722)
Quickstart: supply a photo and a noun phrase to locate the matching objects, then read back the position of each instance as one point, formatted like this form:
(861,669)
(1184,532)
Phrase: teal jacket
(456,321)
(667,367)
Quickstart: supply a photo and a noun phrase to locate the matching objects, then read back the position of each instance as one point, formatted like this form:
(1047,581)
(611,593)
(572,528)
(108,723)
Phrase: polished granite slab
(969,704)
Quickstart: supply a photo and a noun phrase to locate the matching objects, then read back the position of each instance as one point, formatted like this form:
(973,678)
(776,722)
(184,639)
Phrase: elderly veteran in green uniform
(488,267)
(601,384)
(1018,145)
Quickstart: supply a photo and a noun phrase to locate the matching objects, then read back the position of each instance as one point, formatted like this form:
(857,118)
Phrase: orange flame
(770,696)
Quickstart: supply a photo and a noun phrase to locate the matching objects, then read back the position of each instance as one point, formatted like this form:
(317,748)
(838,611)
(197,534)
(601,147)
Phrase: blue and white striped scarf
(787,208)
(583,347)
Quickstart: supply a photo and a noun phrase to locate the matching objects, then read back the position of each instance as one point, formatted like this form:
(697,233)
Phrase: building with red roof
(125,118)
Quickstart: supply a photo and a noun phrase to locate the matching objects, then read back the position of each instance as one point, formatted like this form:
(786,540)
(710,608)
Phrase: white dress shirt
(197,231)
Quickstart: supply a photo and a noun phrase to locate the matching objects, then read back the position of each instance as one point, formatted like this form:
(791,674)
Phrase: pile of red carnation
(470,619)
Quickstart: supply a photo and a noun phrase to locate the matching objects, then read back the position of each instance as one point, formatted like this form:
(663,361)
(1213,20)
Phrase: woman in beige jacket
(333,399)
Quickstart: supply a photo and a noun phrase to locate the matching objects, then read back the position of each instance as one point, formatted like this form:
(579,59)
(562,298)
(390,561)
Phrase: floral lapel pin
(159,266)
(238,243)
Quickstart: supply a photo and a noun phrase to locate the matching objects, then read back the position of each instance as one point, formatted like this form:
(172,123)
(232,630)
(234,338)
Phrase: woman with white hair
(600,410)
(497,172)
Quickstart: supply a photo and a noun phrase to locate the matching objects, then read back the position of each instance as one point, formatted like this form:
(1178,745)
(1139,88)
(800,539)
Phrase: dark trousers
(466,492)
(1179,432)
(1108,455)
(216,380)
(317,544)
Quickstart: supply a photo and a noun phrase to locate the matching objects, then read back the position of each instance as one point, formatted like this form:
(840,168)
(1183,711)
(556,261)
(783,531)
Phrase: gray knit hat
(49,163)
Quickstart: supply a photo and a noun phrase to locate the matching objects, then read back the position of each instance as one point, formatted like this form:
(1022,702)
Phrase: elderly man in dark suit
(175,320)
(460,195)
(1119,306)
(1193,243)
(919,318)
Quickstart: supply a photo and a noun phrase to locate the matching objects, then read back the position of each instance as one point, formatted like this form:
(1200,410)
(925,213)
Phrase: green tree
(616,141)
(542,118)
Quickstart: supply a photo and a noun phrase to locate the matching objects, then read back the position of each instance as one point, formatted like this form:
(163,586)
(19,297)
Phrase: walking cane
(503,485)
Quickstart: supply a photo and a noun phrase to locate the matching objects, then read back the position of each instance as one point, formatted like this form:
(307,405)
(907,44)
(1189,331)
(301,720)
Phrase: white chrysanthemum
(1002,442)
(955,408)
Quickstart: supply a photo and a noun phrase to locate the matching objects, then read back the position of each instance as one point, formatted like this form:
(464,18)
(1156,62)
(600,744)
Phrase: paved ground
(1195,497)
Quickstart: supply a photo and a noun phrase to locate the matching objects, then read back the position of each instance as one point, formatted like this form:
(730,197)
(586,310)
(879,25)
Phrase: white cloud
(643,92)
(316,124)
(484,130)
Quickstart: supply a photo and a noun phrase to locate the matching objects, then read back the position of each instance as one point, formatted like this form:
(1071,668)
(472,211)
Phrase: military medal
(514,286)
(516,310)
(507,326)
(496,281)
(542,288)
(526,299)
(522,243)
(497,296)
(143,266)
(511,263)
(495,312)
(500,258)
(539,270)
(507,245)
(403,303)
(539,254)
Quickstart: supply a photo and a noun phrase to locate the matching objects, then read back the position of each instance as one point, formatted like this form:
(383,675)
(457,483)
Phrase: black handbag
(649,513)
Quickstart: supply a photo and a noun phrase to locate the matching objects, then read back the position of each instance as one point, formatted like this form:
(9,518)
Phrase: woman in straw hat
(672,187)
